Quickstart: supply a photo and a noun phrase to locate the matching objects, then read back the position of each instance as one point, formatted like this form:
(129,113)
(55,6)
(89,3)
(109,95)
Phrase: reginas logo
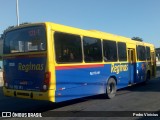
(119,68)
(30,66)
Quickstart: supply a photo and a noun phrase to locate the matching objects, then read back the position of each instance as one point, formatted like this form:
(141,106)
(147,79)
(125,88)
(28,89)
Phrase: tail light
(47,80)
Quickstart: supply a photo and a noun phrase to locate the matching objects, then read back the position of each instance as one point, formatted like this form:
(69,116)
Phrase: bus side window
(148,53)
(68,48)
(67,55)
(92,49)
(141,53)
(122,51)
(109,51)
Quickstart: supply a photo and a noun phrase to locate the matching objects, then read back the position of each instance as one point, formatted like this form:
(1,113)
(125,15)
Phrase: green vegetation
(137,39)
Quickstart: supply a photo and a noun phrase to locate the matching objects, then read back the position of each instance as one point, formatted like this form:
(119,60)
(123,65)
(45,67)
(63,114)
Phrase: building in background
(1,52)
(158,56)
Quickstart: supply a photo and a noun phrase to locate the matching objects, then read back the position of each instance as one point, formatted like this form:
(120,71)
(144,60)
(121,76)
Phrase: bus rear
(26,73)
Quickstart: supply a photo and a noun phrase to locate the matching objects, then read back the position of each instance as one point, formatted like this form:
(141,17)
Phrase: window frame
(139,49)
(148,53)
(101,51)
(80,47)
(116,51)
(122,52)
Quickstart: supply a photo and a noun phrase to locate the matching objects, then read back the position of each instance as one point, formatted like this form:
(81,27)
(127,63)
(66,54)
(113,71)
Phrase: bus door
(132,67)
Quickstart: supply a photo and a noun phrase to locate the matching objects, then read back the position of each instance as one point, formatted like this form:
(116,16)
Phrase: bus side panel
(77,83)
(81,82)
(122,74)
(141,72)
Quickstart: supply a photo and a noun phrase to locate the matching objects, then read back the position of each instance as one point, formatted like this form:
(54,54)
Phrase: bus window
(148,53)
(25,40)
(109,51)
(122,53)
(92,49)
(141,53)
(67,48)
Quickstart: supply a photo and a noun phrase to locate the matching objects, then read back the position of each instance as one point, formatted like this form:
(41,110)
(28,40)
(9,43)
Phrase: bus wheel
(111,88)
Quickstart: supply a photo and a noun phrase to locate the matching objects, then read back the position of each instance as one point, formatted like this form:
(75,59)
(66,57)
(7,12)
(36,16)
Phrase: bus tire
(111,88)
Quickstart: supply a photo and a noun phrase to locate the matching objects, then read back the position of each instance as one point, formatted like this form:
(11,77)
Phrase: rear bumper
(48,95)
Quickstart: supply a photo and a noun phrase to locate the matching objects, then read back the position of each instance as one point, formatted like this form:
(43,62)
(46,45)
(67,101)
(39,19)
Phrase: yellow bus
(48,61)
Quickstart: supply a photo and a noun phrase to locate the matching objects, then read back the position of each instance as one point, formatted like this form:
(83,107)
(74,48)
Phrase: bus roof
(77,31)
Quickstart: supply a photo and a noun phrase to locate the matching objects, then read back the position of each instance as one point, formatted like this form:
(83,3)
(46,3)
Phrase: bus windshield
(29,39)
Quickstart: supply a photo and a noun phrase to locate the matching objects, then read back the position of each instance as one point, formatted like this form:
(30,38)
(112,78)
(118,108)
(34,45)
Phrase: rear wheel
(111,88)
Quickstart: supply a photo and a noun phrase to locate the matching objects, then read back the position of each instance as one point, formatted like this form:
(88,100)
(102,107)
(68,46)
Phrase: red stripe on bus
(78,66)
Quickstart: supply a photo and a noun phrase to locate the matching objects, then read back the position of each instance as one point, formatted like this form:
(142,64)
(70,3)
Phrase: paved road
(135,98)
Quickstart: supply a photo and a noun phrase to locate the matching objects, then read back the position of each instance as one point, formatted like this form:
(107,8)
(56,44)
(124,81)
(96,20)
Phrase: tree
(2,37)
(10,27)
(137,39)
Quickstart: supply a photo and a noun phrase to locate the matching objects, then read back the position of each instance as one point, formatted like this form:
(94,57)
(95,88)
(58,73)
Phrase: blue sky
(127,18)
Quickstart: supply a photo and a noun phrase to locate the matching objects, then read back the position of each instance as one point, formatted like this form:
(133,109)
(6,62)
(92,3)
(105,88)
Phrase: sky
(129,18)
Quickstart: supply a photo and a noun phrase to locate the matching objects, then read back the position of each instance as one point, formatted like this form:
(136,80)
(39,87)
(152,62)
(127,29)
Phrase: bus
(53,62)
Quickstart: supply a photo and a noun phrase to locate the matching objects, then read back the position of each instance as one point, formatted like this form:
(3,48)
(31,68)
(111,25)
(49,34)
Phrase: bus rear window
(30,39)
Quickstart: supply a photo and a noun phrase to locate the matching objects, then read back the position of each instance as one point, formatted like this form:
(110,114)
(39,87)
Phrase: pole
(17,11)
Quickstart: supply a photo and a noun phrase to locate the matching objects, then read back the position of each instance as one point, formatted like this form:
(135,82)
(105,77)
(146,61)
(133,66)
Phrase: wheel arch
(112,76)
